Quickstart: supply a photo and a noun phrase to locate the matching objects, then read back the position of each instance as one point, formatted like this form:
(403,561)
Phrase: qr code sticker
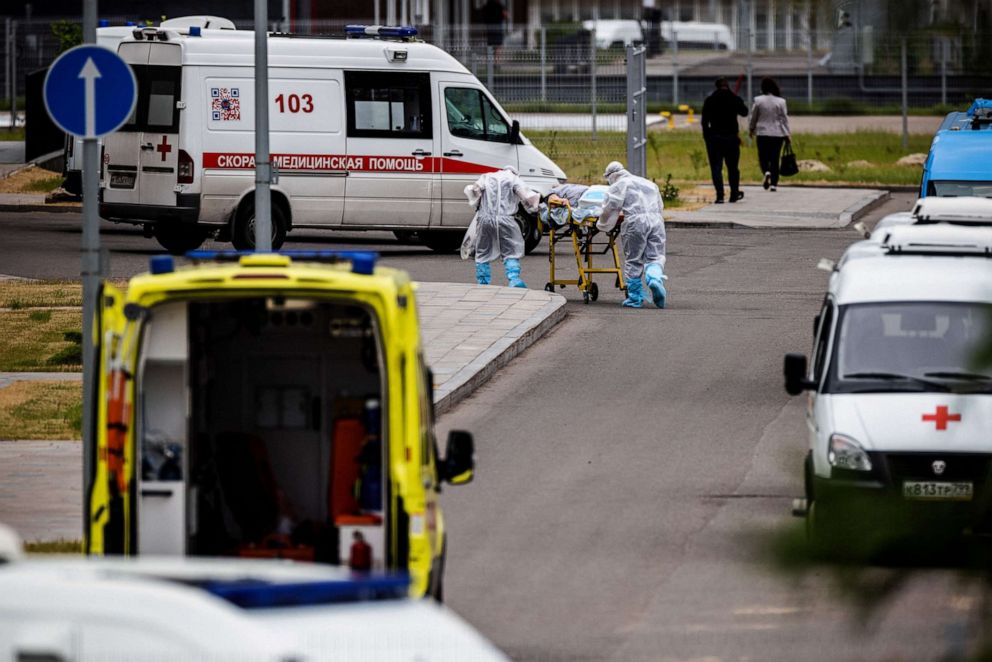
(226,104)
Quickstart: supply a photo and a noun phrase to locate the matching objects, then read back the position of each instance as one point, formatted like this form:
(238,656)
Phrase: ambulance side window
(472,115)
(822,340)
(388,105)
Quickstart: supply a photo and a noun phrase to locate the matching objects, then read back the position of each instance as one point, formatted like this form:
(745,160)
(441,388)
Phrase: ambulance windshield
(911,346)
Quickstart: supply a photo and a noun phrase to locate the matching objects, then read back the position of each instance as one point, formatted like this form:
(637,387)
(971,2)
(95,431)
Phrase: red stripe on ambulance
(338,162)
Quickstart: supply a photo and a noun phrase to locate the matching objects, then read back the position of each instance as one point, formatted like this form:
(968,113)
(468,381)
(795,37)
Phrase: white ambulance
(899,409)
(109,36)
(376,131)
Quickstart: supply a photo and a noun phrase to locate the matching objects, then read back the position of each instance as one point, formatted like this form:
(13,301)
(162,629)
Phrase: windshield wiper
(892,376)
(968,376)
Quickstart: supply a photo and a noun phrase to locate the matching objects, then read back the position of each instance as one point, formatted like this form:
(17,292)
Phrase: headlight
(845,453)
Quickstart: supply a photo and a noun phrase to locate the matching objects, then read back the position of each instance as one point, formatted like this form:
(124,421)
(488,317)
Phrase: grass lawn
(59,546)
(20,294)
(41,410)
(40,340)
(683,154)
(6,133)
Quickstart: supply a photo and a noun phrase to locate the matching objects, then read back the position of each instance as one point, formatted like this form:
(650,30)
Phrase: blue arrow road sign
(90,91)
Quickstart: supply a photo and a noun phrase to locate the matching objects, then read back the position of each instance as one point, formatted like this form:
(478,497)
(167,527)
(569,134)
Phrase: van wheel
(531,231)
(178,240)
(243,236)
(442,241)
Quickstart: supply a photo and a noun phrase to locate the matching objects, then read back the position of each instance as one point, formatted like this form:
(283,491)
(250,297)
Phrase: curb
(43,208)
(478,372)
(859,210)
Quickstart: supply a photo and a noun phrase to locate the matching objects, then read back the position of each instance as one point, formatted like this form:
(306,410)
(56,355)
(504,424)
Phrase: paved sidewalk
(469,332)
(798,207)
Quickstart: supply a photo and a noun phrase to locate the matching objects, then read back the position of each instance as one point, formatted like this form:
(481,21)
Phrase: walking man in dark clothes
(720,112)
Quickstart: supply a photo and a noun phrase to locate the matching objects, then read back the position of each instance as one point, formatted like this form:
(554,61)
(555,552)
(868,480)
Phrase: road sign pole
(263,166)
(90,266)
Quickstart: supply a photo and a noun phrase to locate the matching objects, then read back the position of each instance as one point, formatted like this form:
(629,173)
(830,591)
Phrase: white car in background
(616,33)
(696,34)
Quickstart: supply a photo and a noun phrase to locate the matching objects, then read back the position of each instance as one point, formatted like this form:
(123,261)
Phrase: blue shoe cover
(656,283)
(512,266)
(635,294)
(483,274)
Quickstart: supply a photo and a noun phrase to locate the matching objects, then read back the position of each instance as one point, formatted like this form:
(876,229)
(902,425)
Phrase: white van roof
(954,209)
(914,278)
(236,48)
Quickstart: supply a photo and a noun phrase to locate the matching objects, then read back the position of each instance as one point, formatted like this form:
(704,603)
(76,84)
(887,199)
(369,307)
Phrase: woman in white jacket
(770,123)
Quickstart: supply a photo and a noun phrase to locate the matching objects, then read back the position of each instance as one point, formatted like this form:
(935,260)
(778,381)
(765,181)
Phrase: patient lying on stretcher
(585,203)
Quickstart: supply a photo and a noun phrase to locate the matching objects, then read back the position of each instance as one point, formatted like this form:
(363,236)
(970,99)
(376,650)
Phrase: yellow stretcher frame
(583,246)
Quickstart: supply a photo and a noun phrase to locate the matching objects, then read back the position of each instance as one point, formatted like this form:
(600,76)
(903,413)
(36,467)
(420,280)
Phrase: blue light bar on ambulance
(362,262)
(260,594)
(380,31)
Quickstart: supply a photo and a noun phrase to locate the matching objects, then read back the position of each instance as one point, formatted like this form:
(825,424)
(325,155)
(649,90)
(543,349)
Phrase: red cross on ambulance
(164,148)
(941,417)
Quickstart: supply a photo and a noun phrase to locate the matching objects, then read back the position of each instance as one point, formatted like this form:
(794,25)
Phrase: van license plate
(937,490)
(122,179)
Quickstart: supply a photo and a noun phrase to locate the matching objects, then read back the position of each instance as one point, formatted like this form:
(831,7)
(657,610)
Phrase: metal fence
(568,85)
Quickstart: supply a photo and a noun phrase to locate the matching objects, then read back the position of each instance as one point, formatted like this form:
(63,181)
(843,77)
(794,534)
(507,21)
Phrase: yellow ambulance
(269,405)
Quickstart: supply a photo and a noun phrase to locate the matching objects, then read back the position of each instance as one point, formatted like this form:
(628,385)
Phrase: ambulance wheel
(548,287)
(594,291)
(531,231)
(442,241)
(243,236)
(178,240)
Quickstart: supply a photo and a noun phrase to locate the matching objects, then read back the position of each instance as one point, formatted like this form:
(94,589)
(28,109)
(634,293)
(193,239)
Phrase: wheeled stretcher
(560,224)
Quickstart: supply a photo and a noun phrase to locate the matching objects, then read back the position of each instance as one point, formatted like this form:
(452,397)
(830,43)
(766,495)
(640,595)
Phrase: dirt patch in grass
(41,410)
(31,180)
(40,342)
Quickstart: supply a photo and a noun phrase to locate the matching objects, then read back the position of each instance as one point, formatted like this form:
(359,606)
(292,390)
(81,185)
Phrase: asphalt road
(632,464)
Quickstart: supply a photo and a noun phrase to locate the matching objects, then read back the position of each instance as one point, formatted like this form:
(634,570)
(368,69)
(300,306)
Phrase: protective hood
(921,422)
(614,171)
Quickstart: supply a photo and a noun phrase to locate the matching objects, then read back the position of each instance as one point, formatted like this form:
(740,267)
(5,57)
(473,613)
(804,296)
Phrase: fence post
(6,57)
(13,74)
(637,110)
(944,43)
(750,96)
(675,67)
(809,66)
(490,57)
(592,77)
(905,97)
(544,64)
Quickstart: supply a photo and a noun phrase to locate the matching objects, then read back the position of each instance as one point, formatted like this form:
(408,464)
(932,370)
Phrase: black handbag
(788,167)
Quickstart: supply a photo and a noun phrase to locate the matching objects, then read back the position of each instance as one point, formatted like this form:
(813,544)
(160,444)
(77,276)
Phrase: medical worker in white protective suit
(496,196)
(642,232)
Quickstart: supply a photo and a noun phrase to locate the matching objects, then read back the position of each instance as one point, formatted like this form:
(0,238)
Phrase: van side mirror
(515,133)
(458,466)
(795,374)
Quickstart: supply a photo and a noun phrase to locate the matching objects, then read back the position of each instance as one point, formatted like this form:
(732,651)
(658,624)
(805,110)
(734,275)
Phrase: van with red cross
(372,131)
(899,405)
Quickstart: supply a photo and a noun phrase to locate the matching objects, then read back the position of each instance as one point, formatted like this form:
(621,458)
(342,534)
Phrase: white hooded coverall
(497,195)
(643,230)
